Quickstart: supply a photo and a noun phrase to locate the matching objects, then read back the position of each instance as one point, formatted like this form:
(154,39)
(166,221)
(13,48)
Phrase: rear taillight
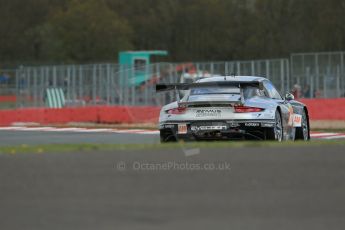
(179,110)
(246,109)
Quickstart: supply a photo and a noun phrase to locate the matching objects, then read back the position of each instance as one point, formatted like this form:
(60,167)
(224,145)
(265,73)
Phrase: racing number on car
(297,120)
(182,129)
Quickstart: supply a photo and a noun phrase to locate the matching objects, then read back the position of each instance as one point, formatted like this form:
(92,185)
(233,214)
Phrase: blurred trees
(67,31)
(86,31)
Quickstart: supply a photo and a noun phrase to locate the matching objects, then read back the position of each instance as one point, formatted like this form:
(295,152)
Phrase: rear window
(250,92)
(214,90)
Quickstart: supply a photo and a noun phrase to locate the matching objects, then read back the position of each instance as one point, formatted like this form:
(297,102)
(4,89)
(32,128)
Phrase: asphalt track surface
(10,138)
(266,188)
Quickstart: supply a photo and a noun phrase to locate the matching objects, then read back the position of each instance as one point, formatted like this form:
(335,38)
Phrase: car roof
(231,78)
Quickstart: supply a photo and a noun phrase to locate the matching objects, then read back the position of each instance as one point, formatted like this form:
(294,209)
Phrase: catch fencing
(317,75)
(7,82)
(111,84)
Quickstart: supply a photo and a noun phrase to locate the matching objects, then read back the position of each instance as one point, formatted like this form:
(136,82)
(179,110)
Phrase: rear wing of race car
(187,86)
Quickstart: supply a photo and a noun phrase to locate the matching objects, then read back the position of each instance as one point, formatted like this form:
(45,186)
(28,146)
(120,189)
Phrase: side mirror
(289,97)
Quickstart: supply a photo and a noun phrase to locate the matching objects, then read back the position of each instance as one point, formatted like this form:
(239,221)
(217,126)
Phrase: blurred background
(89,31)
(59,53)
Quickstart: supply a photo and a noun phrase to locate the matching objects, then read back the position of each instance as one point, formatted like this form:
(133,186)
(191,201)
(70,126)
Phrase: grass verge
(67,148)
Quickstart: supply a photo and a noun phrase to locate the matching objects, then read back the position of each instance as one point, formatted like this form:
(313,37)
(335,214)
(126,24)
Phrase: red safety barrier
(144,114)
(128,114)
(319,109)
(8,98)
(7,117)
(30,115)
(84,114)
(56,116)
(96,114)
(325,109)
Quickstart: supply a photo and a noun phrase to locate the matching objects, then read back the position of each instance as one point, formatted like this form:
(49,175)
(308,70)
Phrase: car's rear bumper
(216,130)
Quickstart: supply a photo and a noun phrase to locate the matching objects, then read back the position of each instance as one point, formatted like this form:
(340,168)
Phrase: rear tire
(167,137)
(303,133)
(276,133)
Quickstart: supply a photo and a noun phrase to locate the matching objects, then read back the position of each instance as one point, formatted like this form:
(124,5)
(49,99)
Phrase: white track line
(132,130)
(334,137)
(314,135)
(12,128)
(150,132)
(137,131)
(64,129)
(322,134)
(82,130)
(34,129)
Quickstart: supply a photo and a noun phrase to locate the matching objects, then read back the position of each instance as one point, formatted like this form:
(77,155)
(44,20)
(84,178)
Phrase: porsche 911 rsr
(232,107)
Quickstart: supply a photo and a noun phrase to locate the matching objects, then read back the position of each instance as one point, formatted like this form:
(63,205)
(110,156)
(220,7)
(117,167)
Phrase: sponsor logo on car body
(206,128)
(208,113)
(251,124)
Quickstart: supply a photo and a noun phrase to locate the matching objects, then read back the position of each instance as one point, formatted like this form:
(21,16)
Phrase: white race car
(232,107)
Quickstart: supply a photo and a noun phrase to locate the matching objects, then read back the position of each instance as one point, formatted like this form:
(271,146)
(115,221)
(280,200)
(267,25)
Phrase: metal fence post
(226,69)
(18,93)
(147,77)
(252,65)
(238,69)
(41,86)
(288,71)
(28,88)
(342,73)
(54,77)
(80,83)
(338,81)
(99,81)
(107,84)
(158,75)
(35,87)
(328,74)
(317,72)
(267,69)
(212,68)
(311,82)
(68,84)
(282,89)
(94,83)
